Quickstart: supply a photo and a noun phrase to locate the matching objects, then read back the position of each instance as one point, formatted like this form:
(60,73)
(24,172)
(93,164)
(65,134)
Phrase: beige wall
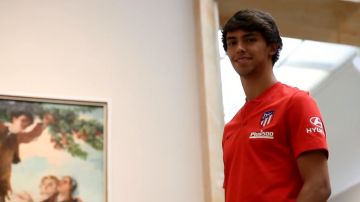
(137,56)
(211,95)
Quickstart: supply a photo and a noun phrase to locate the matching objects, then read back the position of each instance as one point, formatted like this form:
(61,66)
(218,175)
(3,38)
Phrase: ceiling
(321,20)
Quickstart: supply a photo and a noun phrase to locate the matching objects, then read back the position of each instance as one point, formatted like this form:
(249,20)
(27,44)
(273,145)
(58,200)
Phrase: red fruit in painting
(84,137)
(78,135)
(98,133)
(64,140)
(58,146)
(48,119)
(52,140)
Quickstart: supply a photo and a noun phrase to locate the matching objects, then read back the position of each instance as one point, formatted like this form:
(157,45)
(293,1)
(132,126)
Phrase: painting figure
(48,188)
(10,138)
(67,189)
(54,190)
(48,191)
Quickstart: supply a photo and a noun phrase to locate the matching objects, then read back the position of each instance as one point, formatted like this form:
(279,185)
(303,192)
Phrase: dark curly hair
(254,20)
(17,113)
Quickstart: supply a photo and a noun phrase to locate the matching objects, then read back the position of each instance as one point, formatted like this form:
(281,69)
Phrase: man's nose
(240,47)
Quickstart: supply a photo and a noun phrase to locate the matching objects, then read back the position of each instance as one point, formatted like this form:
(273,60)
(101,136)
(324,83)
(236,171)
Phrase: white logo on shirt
(316,121)
(318,126)
(262,134)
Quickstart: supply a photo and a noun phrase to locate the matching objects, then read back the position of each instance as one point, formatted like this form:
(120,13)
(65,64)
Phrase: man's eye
(231,43)
(250,39)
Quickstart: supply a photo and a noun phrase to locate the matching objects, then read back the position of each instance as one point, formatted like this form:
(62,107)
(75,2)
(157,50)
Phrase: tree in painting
(68,124)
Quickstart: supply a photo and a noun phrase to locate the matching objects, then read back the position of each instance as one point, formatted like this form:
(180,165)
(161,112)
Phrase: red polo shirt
(262,142)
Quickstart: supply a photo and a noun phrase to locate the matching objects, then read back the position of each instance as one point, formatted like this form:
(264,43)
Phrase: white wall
(339,100)
(350,195)
(138,55)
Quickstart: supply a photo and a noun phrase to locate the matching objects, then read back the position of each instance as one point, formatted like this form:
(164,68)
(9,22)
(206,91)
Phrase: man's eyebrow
(230,38)
(250,34)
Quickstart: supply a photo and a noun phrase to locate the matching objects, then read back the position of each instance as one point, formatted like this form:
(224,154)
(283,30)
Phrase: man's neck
(64,197)
(45,196)
(255,86)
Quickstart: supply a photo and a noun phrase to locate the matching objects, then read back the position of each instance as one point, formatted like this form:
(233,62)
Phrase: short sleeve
(305,125)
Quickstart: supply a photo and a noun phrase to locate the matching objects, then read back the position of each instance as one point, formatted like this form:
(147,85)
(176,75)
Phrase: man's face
(48,187)
(248,52)
(65,185)
(21,122)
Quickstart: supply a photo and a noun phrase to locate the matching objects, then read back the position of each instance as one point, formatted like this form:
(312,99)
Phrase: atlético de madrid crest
(266,118)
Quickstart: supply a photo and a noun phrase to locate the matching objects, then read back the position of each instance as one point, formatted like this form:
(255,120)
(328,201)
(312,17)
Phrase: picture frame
(51,147)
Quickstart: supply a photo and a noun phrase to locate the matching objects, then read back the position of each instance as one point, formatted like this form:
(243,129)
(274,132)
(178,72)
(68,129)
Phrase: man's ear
(273,49)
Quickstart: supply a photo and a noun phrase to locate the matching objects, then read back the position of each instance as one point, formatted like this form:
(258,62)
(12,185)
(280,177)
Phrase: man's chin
(243,72)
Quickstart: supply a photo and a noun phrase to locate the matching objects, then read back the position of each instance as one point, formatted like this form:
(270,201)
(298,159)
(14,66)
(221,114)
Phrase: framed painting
(52,150)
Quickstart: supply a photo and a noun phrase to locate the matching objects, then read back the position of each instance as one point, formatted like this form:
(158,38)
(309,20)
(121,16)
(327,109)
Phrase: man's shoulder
(286,91)
(290,89)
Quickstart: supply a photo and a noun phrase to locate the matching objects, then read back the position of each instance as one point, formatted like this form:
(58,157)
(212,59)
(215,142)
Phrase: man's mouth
(242,59)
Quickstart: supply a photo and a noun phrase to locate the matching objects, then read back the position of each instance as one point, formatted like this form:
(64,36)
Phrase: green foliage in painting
(70,123)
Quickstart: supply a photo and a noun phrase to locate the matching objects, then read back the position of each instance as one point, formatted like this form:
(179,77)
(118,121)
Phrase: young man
(48,188)
(54,190)
(48,191)
(10,138)
(66,189)
(275,147)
